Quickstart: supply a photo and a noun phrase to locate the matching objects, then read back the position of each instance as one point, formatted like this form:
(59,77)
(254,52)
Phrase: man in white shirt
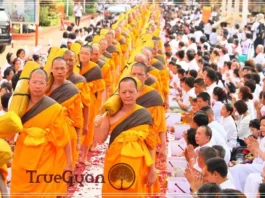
(213,37)
(189,93)
(198,34)
(208,29)
(260,59)
(192,45)
(78,10)
(192,64)
(181,60)
(216,171)
(210,80)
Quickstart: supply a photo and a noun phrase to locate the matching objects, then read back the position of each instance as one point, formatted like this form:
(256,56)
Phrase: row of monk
(65,111)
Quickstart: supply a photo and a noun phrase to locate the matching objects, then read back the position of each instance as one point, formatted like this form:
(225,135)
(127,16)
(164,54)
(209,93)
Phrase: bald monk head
(96,53)
(141,58)
(103,45)
(38,83)
(85,54)
(59,69)
(148,54)
(109,37)
(117,32)
(139,70)
(128,91)
(70,59)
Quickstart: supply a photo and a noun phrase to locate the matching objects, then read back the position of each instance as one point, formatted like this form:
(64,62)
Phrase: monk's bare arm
(68,153)
(102,128)
(103,96)
(85,114)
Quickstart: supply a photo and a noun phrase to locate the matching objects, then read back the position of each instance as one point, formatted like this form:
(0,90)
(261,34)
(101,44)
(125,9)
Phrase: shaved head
(69,52)
(141,58)
(39,72)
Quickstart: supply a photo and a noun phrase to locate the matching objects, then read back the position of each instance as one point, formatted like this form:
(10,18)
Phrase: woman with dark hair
(230,193)
(219,96)
(245,94)
(9,59)
(243,121)
(229,124)
(16,65)
(21,54)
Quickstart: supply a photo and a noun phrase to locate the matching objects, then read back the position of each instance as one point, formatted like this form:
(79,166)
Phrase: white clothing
(217,107)
(196,166)
(192,46)
(209,89)
(217,139)
(219,128)
(240,173)
(246,45)
(254,28)
(230,127)
(78,10)
(174,45)
(260,59)
(207,28)
(213,38)
(187,95)
(252,184)
(251,109)
(193,65)
(184,65)
(227,184)
(243,127)
(198,35)
(222,60)
(262,111)
(2,112)
(3,68)
(257,92)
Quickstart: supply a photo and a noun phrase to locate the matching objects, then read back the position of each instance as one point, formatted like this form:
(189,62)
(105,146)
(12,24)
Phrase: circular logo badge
(121,176)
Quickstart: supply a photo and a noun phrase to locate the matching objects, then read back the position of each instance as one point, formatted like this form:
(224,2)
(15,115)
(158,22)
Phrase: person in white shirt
(9,60)
(198,34)
(8,75)
(229,125)
(78,10)
(192,45)
(208,29)
(224,57)
(213,124)
(210,78)
(192,64)
(243,121)
(213,37)
(243,173)
(216,171)
(246,44)
(181,60)
(260,58)
(185,104)
(237,50)
(21,54)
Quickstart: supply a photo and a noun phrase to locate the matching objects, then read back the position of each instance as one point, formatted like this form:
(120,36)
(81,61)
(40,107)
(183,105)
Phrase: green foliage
(44,12)
(91,10)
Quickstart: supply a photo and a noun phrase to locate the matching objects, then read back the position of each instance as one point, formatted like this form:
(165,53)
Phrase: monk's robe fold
(164,74)
(80,82)
(43,138)
(153,82)
(153,102)
(129,134)
(116,56)
(124,50)
(157,74)
(69,97)
(96,83)
(106,72)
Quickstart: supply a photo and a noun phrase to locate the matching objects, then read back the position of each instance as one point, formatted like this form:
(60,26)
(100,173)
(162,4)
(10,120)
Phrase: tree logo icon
(121,176)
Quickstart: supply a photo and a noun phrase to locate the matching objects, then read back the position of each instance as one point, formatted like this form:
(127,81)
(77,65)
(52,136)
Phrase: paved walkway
(53,38)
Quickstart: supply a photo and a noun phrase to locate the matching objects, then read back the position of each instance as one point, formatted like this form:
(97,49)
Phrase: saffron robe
(129,133)
(96,83)
(69,97)
(44,136)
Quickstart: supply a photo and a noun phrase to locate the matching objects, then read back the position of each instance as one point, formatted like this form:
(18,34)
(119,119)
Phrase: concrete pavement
(46,40)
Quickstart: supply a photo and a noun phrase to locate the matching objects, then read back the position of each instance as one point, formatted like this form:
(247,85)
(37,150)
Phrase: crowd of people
(138,66)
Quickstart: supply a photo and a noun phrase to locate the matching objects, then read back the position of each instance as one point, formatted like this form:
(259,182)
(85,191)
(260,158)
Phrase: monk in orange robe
(153,102)
(93,75)
(80,82)
(39,145)
(105,68)
(65,93)
(124,47)
(153,74)
(129,165)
